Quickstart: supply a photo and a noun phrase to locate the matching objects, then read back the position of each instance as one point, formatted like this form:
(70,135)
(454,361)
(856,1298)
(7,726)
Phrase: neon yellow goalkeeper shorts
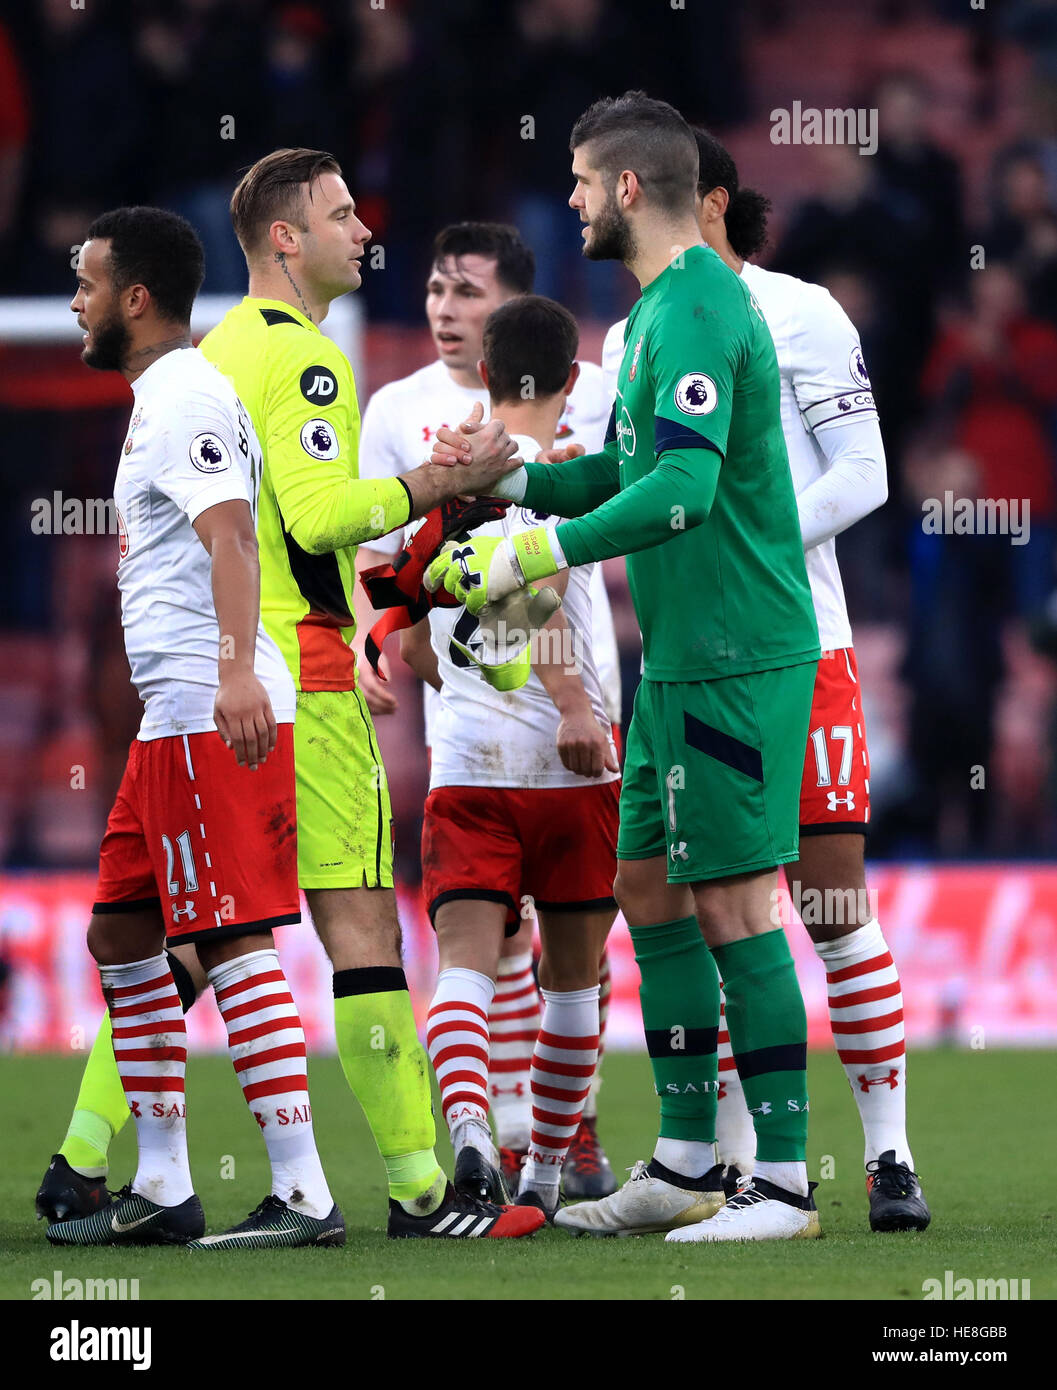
(344,818)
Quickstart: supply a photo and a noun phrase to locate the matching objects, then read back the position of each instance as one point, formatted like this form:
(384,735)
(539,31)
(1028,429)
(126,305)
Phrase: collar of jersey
(285,308)
(668,270)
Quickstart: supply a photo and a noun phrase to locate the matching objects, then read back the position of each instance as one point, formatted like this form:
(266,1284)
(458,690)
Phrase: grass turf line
(979,1130)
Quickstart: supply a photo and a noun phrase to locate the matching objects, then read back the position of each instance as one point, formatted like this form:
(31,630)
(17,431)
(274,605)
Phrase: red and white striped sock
(605,989)
(735,1134)
(563,1063)
(267,1047)
(866,1014)
(513,1022)
(457,1039)
(150,1047)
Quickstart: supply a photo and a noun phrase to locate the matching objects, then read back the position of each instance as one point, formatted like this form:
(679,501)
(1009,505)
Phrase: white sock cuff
(133,972)
(570,996)
(242,967)
(467,985)
(860,944)
(515,965)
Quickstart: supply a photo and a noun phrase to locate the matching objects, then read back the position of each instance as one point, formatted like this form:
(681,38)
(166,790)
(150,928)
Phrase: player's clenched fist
(487,568)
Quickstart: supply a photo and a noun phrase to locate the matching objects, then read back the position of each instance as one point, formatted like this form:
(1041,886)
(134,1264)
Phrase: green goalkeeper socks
(101,1109)
(768,1036)
(386,1068)
(680,1012)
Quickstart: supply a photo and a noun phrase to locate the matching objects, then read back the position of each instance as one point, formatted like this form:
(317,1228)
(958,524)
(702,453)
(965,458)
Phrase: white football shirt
(482,737)
(825,395)
(397,434)
(190,445)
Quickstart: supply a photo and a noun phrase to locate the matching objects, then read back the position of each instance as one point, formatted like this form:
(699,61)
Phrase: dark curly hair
(156,249)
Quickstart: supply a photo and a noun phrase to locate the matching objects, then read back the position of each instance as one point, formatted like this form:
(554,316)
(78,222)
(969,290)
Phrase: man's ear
(137,301)
(713,206)
(628,188)
(572,379)
(281,238)
(482,372)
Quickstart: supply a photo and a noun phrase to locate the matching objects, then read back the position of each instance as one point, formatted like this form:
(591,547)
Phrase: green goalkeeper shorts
(712,772)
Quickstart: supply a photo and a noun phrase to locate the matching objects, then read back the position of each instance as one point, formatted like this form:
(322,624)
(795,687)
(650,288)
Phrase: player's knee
(97,940)
(636,892)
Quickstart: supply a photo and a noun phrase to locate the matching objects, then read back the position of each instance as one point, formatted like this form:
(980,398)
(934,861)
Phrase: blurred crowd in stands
(942,247)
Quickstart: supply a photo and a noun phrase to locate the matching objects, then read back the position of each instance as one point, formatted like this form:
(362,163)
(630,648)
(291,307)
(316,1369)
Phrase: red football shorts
(213,844)
(835,791)
(553,845)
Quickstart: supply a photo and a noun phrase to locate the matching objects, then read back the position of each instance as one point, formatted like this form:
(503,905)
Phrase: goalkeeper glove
(487,568)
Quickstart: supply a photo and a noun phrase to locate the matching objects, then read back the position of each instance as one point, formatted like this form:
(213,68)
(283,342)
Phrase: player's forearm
(674,497)
(236,580)
(363,610)
(556,663)
(354,512)
(570,489)
(855,484)
(417,652)
(431,484)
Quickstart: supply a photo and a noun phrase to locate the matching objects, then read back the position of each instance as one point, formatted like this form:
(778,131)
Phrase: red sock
(735,1136)
(605,988)
(457,1039)
(513,1022)
(563,1064)
(866,1015)
(267,1046)
(150,1048)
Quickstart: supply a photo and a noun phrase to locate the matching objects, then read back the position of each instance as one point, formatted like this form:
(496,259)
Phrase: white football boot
(653,1199)
(759,1211)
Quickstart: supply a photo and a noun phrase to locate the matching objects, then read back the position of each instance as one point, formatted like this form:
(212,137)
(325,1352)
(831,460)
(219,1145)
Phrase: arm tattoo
(280,258)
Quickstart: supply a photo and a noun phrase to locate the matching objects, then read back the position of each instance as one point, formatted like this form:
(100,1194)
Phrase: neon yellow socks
(101,1109)
(388,1073)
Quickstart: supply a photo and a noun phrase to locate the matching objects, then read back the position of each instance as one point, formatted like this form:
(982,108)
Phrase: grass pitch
(982,1125)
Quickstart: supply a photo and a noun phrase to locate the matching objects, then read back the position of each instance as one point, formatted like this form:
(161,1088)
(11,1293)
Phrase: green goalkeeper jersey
(694,484)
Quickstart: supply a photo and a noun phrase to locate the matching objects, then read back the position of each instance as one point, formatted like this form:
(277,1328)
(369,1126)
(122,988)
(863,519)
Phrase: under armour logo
(764,1108)
(518,1090)
(835,800)
(469,581)
(427,434)
(679,851)
(188,911)
(891,1080)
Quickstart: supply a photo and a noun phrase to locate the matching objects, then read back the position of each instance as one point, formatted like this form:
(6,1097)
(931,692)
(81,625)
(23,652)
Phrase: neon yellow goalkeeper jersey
(314,508)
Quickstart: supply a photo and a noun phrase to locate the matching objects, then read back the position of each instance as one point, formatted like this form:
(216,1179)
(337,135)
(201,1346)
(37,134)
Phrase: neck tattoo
(280,260)
(140,360)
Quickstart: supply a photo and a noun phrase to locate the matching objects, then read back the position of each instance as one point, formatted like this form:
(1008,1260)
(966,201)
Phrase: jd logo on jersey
(318,386)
